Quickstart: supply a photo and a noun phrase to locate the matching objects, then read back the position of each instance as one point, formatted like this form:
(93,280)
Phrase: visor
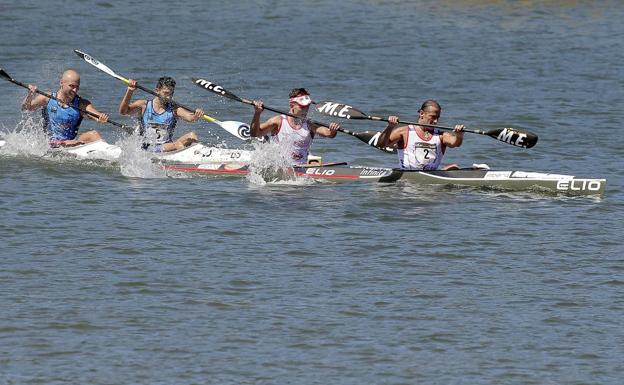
(303,100)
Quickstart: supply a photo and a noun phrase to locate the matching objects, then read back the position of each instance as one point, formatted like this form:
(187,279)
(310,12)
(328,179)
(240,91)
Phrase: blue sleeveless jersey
(158,128)
(62,123)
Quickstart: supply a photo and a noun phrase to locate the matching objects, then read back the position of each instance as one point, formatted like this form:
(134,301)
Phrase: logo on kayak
(578,185)
(320,172)
(375,172)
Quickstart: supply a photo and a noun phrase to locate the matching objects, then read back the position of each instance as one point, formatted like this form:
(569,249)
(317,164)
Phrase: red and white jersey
(299,139)
(421,154)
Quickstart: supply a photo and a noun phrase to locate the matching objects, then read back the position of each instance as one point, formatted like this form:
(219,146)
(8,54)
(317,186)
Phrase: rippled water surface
(121,274)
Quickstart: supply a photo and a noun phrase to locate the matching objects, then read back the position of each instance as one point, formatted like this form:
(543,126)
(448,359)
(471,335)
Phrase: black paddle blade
(217,89)
(369,137)
(83,55)
(4,74)
(340,110)
(514,137)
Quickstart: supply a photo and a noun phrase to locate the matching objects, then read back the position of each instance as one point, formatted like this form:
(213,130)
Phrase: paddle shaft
(378,118)
(104,68)
(370,138)
(10,79)
(344,131)
(500,135)
(508,135)
(250,102)
(149,91)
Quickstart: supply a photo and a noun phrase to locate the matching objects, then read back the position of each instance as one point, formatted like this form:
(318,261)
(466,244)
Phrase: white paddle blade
(239,129)
(101,66)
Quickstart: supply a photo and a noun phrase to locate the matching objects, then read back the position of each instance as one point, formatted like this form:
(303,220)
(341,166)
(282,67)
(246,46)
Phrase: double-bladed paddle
(369,137)
(239,129)
(508,135)
(7,77)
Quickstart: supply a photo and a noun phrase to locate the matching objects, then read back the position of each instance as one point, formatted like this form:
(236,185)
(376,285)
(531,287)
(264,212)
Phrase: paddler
(421,147)
(296,132)
(62,117)
(158,117)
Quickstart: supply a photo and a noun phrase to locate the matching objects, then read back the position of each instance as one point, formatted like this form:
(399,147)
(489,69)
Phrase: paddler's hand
(258,105)
(459,128)
(198,114)
(393,120)
(132,84)
(333,128)
(32,89)
(103,118)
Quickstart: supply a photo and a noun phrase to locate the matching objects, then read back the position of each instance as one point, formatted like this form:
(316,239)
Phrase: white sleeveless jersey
(299,139)
(420,154)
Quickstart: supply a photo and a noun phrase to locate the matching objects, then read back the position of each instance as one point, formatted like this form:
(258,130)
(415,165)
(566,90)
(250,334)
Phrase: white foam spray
(271,163)
(134,162)
(27,139)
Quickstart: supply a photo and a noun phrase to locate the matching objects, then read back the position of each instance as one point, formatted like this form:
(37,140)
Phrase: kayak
(205,160)
(474,177)
(328,172)
(510,180)
(196,153)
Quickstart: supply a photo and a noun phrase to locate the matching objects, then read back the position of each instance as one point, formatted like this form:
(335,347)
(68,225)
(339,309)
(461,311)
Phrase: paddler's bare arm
(455,138)
(86,105)
(32,101)
(392,134)
(189,116)
(261,129)
(326,131)
(134,108)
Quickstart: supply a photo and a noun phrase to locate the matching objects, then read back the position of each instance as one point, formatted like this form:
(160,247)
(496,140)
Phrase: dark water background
(107,278)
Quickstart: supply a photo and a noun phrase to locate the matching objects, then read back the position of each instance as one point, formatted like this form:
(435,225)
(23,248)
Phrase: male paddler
(296,132)
(62,117)
(421,147)
(158,117)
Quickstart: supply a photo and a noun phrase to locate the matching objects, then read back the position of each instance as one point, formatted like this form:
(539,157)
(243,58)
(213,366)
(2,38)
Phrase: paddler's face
(70,85)
(429,115)
(165,92)
(299,110)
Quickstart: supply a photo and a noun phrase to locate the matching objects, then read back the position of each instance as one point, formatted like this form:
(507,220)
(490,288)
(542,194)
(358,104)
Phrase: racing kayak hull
(482,178)
(196,153)
(510,180)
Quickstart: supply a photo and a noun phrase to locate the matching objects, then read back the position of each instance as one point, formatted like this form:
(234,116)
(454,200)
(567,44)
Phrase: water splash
(26,139)
(134,162)
(271,163)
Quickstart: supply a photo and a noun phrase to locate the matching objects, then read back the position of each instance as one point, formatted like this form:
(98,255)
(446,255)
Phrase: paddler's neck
(63,98)
(159,103)
(299,119)
(425,132)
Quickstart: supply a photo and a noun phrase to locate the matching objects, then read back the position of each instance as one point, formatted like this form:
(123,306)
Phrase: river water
(119,274)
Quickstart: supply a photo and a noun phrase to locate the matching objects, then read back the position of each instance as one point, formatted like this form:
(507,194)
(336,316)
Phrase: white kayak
(196,153)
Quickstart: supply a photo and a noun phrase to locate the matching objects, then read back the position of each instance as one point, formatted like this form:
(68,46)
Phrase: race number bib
(157,133)
(425,153)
